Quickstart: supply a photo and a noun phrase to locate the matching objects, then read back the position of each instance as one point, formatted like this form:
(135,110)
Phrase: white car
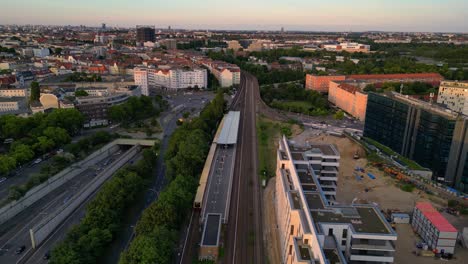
(2,179)
(38,161)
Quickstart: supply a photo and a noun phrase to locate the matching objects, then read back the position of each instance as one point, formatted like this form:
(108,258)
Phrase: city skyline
(301,15)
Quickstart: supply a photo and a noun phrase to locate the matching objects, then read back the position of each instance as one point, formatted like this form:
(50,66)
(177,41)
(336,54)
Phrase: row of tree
(156,231)
(273,95)
(36,135)
(418,88)
(136,108)
(262,73)
(22,153)
(87,241)
(83,77)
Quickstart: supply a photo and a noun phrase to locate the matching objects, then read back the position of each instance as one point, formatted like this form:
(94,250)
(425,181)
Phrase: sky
(309,15)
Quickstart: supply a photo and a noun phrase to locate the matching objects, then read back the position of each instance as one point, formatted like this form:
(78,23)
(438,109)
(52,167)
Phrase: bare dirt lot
(384,192)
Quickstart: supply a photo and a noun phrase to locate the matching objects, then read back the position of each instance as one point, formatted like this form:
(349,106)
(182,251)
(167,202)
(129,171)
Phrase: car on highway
(20,250)
(37,161)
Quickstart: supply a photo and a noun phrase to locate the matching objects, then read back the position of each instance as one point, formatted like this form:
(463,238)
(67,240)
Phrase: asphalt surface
(244,234)
(60,233)
(22,176)
(15,232)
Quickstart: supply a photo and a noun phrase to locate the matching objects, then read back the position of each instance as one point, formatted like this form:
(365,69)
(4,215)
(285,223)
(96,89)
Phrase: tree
(22,153)
(339,115)
(155,247)
(43,144)
(68,119)
(7,164)
(81,93)
(58,51)
(58,135)
(35,92)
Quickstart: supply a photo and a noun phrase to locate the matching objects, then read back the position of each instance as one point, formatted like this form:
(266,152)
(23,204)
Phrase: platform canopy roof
(228,135)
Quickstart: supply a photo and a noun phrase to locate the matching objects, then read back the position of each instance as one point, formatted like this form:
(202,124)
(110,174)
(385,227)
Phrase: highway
(15,232)
(244,234)
(60,233)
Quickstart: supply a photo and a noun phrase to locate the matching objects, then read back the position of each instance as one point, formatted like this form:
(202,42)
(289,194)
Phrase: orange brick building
(349,98)
(321,83)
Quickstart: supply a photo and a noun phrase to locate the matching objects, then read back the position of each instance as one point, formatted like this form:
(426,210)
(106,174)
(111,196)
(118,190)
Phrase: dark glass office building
(146,33)
(432,136)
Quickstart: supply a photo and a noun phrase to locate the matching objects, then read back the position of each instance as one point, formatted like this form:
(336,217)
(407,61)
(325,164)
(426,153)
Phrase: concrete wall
(41,231)
(36,193)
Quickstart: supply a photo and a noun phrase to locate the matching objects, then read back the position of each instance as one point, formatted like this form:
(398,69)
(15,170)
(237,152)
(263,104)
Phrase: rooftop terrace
(363,219)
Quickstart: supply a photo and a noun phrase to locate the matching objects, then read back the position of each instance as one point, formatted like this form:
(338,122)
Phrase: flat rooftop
(212,230)
(313,148)
(219,182)
(363,219)
(314,200)
(230,128)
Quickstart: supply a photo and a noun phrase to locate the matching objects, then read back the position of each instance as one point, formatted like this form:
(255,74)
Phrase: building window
(343,242)
(345,233)
(290,249)
(306,241)
(330,231)
(292,230)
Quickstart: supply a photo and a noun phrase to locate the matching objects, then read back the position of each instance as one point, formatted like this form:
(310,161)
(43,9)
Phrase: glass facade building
(433,137)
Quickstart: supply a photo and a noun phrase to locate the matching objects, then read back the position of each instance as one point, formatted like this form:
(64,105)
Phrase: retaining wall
(13,208)
(41,231)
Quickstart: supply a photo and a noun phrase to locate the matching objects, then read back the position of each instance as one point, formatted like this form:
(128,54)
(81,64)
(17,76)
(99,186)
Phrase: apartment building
(434,229)
(180,78)
(348,47)
(11,104)
(454,95)
(13,92)
(227,75)
(433,136)
(312,227)
(349,98)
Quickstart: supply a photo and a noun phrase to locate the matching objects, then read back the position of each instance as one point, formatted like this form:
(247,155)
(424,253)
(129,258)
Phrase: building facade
(145,33)
(434,137)
(454,95)
(349,98)
(312,227)
(348,47)
(171,79)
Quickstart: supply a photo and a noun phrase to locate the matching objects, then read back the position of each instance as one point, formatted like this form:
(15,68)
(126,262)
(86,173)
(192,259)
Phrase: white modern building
(433,228)
(312,227)
(454,95)
(348,46)
(11,104)
(41,52)
(227,75)
(179,78)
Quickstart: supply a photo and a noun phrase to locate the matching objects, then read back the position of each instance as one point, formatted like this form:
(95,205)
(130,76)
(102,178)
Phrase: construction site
(361,181)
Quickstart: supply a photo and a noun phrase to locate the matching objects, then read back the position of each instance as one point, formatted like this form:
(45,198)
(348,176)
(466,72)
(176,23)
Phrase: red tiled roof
(395,76)
(435,217)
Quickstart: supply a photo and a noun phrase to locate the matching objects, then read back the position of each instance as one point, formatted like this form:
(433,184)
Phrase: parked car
(2,179)
(37,161)
(20,250)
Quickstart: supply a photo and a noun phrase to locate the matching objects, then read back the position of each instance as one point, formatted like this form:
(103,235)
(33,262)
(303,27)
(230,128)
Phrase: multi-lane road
(15,232)
(244,234)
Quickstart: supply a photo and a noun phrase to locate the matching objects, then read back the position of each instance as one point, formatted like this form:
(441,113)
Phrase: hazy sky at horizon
(336,15)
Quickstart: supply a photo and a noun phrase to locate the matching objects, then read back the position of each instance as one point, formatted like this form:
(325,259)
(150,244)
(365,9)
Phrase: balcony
(373,245)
